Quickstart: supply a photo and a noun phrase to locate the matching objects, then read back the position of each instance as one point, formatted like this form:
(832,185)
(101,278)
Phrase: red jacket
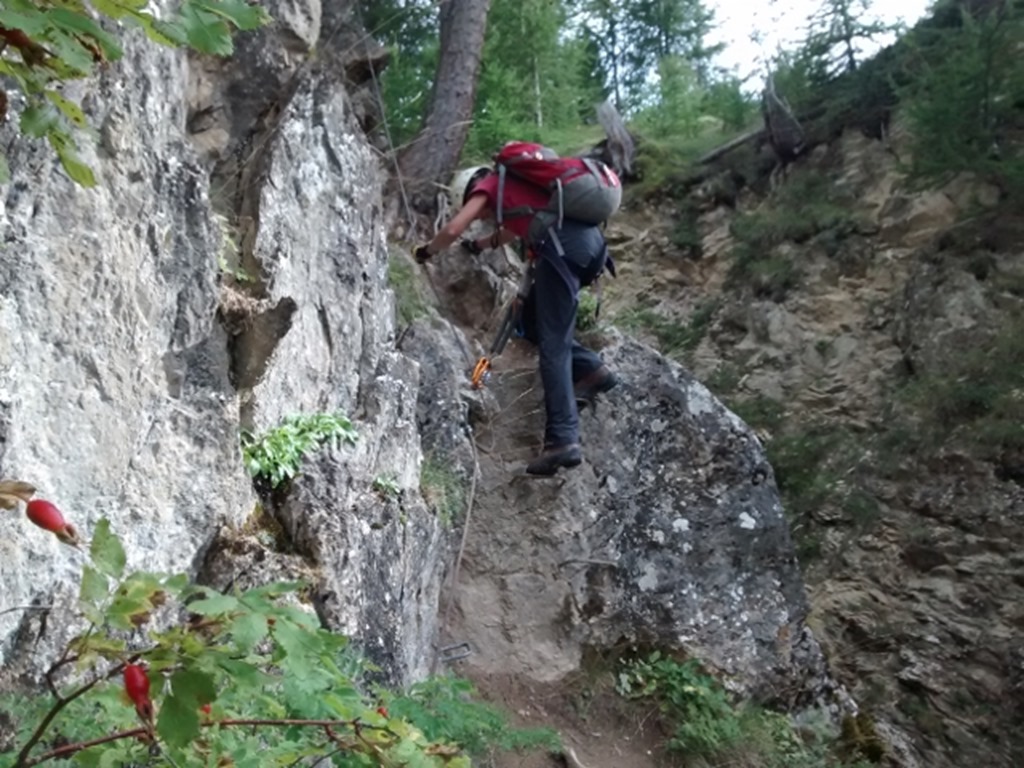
(517,194)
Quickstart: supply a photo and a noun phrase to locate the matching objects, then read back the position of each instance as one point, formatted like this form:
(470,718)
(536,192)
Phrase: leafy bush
(45,45)
(665,164)
(247,679)
(277,454)
(821,471)
(444,709)
(760,411)
(702,717)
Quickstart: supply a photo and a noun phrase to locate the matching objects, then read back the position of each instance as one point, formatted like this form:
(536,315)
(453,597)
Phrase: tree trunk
(428,163)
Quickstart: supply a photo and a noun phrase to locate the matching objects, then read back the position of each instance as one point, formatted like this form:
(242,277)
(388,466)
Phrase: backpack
(583,189)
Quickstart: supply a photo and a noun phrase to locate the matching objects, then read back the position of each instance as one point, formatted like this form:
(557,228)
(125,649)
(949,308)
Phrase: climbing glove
(470,245)
(421,254)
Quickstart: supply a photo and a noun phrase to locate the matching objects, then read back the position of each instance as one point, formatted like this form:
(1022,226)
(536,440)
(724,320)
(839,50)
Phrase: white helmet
(463,183)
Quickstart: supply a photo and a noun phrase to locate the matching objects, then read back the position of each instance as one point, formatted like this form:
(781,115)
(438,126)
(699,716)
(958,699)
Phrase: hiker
(568,257)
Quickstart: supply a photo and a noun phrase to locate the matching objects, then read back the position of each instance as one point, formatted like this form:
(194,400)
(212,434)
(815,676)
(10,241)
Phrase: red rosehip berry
(136,683)
(49,518)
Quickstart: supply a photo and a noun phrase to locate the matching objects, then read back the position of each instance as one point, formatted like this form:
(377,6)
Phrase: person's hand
(422,254)
(470,245)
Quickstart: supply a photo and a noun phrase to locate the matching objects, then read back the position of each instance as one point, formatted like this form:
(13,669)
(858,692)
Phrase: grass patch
(587,312)
(443,488)
(821,472)
(685,234)
(448,710)
(978,396)
(266,529)
(710,730)
(410,303)
(974,401)
(759,412)
(806,207)
(673,338)
(666,164)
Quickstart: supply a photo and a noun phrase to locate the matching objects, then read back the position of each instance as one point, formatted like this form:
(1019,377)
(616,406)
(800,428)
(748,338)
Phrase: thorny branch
(61,701)
(69,749)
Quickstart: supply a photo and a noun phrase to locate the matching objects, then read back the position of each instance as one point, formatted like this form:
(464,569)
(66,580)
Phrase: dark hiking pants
(549,321)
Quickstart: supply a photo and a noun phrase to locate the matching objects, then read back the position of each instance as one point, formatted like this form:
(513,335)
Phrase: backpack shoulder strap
(499,214)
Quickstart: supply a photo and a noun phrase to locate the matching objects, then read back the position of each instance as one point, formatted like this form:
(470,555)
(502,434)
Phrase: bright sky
(782,23)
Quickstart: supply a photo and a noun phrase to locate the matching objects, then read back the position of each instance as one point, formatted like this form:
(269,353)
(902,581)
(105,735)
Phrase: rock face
(114,388)
(198,290)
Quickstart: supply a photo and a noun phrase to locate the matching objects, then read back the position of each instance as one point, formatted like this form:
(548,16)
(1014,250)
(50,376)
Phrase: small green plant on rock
(277,454)
(409,302)
(976,395)
(673,338)
(228,253)
(442,488)
(586,312)
(386,486)
(710,730)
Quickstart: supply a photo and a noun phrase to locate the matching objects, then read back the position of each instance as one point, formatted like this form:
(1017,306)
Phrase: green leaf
(32,23)
(345,702)
(71,111)
(298,644)
(38,119)
(106,551)
(248,629)
(95,587)
(117,9)
(178,721)
(214,605)
(206,32)
(73,166)
(67,47)
(195,686)
(164,32)
(243,674)
(108,647)
(241,14)
(176,583)
(79,23)
(129,612)
(274,589)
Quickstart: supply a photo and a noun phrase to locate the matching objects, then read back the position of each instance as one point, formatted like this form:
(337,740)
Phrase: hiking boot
(552,458)
(593,384)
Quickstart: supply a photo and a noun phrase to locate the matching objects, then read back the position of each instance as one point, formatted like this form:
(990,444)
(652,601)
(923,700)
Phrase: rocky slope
(870,332)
